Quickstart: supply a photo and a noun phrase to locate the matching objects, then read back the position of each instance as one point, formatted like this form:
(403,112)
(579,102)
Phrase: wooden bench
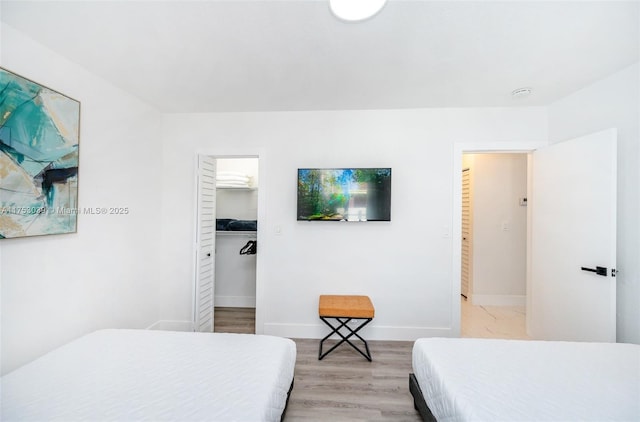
(343,309)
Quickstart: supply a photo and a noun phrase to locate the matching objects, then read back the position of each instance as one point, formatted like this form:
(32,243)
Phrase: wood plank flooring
(234,320)
(343,386)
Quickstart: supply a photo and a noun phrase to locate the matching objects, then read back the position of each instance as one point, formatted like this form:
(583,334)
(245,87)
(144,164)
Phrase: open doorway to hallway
(484,321)
(494,245)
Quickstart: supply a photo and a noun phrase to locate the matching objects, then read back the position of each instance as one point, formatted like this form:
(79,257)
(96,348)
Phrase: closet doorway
(236,244)
(225,297)
(494,245)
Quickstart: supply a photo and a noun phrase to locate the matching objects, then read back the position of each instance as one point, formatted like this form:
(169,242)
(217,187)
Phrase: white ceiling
(237,55)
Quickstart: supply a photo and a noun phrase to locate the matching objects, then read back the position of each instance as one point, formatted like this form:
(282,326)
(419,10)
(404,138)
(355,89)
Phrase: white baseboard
(370,332)
(164,325)
(499,300)
(317,331)
(235,301)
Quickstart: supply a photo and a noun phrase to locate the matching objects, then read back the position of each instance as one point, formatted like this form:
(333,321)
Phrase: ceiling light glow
(356,10)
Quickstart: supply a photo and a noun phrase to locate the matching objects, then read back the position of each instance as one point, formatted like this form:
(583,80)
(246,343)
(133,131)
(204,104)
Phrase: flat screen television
(345,194)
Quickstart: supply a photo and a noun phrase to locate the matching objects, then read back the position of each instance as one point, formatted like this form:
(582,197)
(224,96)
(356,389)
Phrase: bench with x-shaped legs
(343,309)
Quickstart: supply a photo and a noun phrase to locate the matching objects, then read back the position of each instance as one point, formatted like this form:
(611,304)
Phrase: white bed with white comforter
(127,375)
(469,379)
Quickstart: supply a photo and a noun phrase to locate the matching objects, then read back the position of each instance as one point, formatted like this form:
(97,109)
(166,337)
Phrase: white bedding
(126,375)
(511,380)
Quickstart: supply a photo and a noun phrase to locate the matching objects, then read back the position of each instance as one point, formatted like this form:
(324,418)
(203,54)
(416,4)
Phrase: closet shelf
(235,233)
(235,188)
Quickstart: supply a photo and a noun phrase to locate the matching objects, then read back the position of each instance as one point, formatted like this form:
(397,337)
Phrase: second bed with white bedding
(154,375)
(509,380)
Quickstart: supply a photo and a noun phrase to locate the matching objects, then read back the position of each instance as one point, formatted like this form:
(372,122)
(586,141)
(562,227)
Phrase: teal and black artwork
(39,134)
(351,194)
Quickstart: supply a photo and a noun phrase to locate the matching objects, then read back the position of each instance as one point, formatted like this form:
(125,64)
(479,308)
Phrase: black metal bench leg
(334,330)
(343,321)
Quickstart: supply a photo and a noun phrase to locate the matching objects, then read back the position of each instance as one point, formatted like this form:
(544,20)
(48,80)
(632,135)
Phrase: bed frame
(419,402)
(286,403)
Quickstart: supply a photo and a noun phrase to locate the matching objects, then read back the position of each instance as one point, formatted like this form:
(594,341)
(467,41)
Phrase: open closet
(236,244)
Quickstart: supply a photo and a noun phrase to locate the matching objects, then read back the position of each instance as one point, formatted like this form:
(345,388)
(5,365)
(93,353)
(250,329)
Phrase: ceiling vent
(521,92)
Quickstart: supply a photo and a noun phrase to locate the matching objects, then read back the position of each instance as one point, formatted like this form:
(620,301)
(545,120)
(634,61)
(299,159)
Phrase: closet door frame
(221,153)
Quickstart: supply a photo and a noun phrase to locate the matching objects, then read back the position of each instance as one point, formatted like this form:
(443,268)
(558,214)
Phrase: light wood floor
(343,386)
(234,320)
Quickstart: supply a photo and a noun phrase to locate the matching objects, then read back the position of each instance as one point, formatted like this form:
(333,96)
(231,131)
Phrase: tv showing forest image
(347,194)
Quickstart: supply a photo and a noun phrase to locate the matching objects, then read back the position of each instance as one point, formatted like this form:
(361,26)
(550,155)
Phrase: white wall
(130,271)
(614,102)
(499,228)
(405,265)
(56,288)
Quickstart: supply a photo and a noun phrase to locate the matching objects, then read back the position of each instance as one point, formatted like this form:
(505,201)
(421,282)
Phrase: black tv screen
(348,194)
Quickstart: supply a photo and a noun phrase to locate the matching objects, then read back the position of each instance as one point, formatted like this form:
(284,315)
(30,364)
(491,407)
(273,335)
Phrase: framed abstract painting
(39,139)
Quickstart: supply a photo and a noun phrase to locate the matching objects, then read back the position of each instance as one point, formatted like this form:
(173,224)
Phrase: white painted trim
(499,300)
(166,325)
(194,242)
(318,331)
(235,301)
(529,309)
(261,278)
(460,148)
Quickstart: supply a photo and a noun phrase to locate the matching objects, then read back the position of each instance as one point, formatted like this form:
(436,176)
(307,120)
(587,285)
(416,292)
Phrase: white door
(574,232)
(466,258)
(205,244)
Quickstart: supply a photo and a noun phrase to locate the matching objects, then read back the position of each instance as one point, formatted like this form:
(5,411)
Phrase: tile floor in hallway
(506,322)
